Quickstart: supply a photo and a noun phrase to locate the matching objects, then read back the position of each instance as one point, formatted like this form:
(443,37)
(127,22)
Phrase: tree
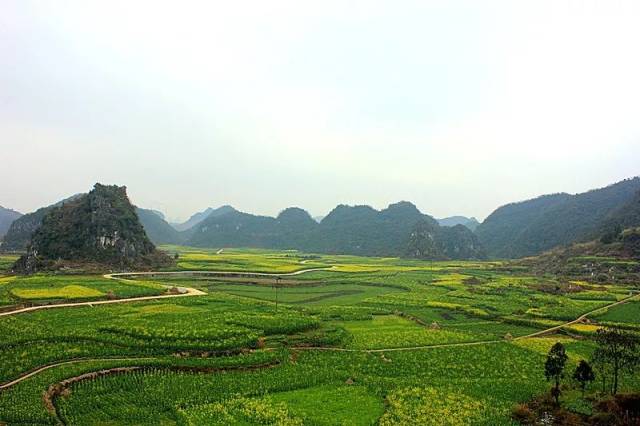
(612,234)
(619,350)
(603,369)
(584,375)
(554,367)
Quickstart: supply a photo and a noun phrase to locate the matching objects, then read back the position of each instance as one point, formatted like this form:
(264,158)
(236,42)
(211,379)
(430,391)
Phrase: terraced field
(289,338)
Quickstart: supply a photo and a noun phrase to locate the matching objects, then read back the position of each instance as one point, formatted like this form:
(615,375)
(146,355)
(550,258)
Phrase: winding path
(72,361)
(483,342)
(182,291)
(185,291)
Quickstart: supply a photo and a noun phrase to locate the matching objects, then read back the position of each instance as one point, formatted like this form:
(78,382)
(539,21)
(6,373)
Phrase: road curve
(184,291)
(187,292)
(580,318)
(123,275)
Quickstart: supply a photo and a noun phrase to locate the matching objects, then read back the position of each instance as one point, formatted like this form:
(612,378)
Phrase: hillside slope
(594,261)
(531,227)
(626,216)
(19,233)
(7,217)
(100,228)
(157,229)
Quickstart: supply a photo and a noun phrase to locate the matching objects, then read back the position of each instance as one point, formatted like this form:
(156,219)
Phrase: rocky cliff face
(430,241)
(100,228)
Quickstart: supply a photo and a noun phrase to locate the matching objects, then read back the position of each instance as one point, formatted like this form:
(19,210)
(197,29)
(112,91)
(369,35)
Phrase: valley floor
(290,338)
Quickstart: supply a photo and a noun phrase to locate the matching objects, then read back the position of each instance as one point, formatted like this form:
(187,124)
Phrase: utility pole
(277,285)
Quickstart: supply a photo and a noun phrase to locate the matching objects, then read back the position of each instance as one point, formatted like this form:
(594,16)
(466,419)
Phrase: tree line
(616,354)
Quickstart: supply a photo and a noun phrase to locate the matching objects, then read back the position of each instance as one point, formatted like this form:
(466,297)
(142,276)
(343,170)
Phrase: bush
(523,414)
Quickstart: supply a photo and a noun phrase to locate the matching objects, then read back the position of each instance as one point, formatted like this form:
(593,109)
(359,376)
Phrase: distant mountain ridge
(515,230)
(530,227)
(200,216)
(470,222)
(7,217)
(358,230)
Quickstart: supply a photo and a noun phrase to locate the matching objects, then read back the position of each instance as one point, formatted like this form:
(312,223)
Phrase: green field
(46,289)
(355,341)
(6,261)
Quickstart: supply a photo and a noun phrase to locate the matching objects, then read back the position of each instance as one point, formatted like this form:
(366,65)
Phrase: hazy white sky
(457,106)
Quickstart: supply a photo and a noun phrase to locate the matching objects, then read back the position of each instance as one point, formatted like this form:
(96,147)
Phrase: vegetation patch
(66,292)
(330,405)
(391,331)
(429,406)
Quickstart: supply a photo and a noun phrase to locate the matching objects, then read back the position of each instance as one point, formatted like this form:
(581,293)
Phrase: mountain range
(358,230)
(512,231)
(530,227)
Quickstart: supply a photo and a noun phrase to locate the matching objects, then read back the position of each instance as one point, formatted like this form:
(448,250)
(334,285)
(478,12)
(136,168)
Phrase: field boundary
(484,342)
(183,291)
(39,370)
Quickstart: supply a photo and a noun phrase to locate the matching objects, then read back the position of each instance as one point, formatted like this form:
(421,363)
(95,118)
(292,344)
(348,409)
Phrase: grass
(67,292)
(390,331)
(324,295)
(6,261)
(626,313)
(256,260)
(330,404)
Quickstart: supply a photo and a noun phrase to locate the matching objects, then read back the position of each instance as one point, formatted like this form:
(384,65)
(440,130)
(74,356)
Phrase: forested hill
(531,227)
(7,217)
(99,228)
(626,216)
(605,260)
(359,230)
(20,232)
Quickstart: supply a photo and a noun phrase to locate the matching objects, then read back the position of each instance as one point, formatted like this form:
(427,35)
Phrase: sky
(456,106)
